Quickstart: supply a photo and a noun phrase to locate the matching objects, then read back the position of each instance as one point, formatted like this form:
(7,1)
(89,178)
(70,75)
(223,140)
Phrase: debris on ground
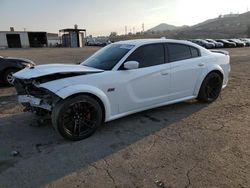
(159,184)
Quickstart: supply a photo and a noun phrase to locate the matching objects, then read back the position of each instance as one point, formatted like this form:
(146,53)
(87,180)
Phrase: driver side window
(149,55)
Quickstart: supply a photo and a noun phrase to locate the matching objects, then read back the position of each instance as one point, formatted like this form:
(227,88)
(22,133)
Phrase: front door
(149,84)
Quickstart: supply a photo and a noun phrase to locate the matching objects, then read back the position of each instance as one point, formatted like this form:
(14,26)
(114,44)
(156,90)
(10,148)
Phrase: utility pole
(126,30)
(143,27)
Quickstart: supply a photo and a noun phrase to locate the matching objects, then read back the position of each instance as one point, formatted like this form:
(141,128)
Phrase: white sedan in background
(121,79)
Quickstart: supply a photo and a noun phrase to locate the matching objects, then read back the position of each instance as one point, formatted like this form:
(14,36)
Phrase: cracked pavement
(188,144)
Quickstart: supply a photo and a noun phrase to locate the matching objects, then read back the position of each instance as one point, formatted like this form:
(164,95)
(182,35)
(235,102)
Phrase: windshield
(107,57)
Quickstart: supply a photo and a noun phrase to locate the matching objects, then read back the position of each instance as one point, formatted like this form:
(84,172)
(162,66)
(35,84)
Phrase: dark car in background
(238,42)
(203,43)
(217,44)
(11,65)
(226,43)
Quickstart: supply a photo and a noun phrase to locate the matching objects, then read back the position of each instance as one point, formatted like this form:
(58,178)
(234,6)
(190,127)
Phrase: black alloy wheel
(210,88)
(77,118)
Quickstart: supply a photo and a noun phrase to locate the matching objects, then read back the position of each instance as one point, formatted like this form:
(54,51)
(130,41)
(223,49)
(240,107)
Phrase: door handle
(201,64)
(164,73)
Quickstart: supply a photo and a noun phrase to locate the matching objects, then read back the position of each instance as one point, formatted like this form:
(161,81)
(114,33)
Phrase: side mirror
(129,65)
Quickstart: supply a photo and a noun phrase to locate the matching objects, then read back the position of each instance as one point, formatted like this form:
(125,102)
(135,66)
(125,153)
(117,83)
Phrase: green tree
(113,34)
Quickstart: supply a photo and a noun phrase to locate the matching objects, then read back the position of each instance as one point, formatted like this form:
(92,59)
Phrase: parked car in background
(203,43)
(217,44)
(97,41)
(11,65)
(226,43)
(238,42)
(246,41)
(121,79)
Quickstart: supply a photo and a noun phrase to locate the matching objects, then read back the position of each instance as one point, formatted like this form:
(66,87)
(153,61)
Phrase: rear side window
(195,52)
(178,52)
(149,55)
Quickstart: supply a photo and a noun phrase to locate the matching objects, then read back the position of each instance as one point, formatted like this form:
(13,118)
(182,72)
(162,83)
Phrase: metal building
(73,38)
(53,40)
(22,39)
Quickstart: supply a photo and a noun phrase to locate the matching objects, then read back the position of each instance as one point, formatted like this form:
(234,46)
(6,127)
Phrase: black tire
(210,88)
(77,118)
(8,75)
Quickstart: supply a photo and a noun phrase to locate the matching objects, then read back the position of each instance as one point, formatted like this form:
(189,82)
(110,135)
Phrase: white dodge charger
(120,79)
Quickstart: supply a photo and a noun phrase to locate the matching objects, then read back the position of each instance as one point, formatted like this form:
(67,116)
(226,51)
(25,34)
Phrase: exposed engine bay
(32,97)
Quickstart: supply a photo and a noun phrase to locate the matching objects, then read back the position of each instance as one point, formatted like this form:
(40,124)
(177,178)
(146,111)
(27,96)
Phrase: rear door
(150,83)
(186,67)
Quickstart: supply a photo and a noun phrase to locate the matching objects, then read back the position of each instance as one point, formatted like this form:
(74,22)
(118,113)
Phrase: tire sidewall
(202,95)
(63,105)
(6,73)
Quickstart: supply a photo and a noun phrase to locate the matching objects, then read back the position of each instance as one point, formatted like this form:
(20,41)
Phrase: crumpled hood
(43,70)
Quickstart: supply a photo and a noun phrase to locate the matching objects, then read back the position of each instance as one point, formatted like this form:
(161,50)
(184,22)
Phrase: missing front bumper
(28,100)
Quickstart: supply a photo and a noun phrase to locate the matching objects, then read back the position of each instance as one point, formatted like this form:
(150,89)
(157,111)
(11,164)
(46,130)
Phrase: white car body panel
(43,70)
(184,85)
(144,87)
(124,92)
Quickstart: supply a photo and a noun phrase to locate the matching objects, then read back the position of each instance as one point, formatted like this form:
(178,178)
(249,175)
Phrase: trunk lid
(220,51)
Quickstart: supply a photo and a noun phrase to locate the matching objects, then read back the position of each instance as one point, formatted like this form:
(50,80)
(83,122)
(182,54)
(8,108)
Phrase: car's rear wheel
(77,118)
(8,76)
(210,88)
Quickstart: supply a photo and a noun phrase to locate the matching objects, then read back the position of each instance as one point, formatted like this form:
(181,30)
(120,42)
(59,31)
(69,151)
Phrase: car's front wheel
(78,117)
(210,88)
(8,76)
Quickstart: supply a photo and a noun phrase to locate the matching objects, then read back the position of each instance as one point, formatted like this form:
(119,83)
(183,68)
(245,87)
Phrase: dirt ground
(189,144)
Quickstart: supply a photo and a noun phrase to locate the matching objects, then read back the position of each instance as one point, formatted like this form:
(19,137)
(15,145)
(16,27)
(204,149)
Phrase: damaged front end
(34,98)
(29,82)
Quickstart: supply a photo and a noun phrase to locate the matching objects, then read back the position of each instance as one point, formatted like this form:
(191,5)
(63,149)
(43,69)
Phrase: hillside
(222,27)
(234,26)
(163,27)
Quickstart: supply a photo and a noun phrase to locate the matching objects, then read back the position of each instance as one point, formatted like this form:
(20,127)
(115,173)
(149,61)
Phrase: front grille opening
(23,88)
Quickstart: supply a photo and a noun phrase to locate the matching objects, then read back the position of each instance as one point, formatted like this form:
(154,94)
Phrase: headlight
(27,65)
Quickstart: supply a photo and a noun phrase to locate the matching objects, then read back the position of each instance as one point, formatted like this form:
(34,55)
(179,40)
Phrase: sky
(101,17)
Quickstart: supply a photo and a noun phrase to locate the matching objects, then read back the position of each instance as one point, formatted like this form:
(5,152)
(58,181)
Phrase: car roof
(139,42)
